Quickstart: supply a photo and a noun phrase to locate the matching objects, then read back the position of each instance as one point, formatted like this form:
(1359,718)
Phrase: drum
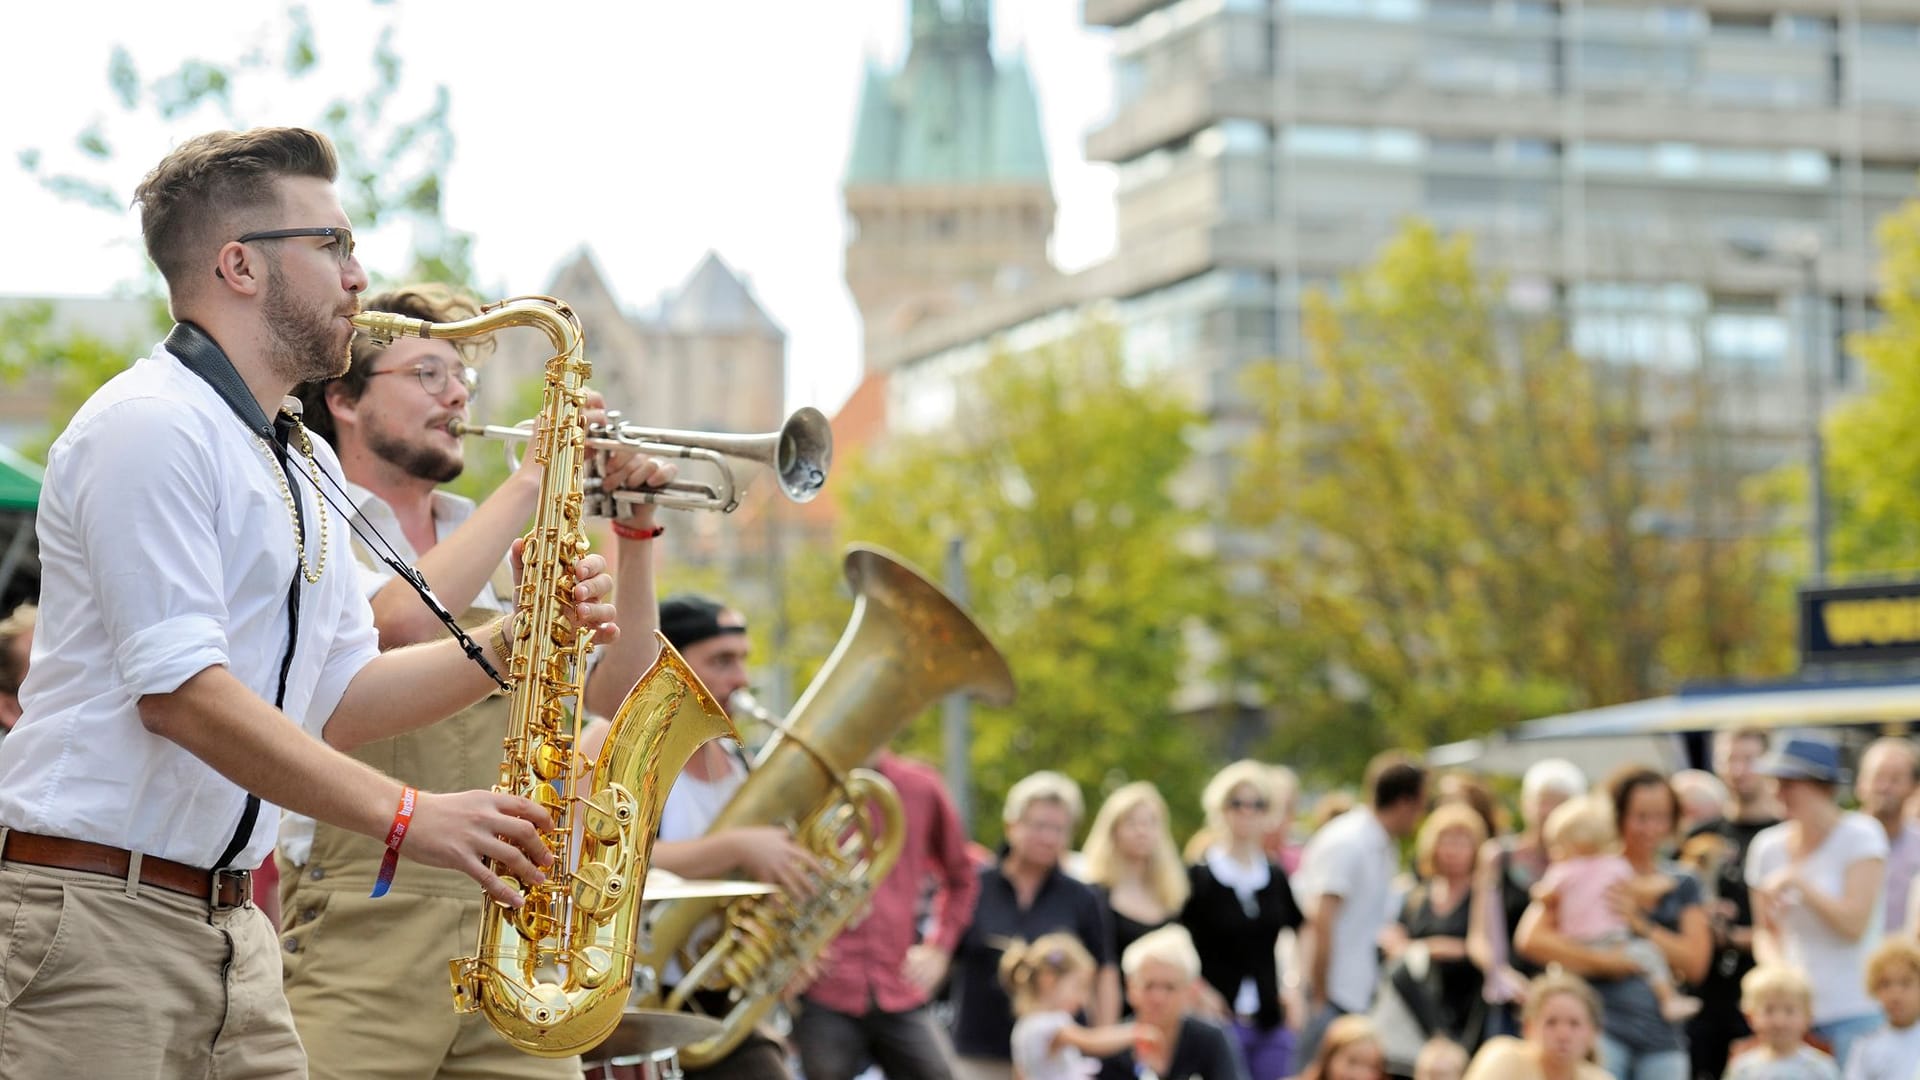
(646,1046)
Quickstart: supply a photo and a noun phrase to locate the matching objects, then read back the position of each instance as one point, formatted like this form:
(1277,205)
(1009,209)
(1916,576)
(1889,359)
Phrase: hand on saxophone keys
(592,585)
(463,831)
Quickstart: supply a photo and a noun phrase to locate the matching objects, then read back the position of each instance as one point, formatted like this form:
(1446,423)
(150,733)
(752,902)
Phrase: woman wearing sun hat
(1817,879)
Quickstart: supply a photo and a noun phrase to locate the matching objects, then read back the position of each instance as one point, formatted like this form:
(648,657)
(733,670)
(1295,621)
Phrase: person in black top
(1719,850)
(1240,902)
(1160,970)
(1023,896)
(1130,859)
(1435,919)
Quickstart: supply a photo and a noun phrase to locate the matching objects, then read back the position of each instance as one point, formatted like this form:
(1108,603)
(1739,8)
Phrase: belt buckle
(215,881)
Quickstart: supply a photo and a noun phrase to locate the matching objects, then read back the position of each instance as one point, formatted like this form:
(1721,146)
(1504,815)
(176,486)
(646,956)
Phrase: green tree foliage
(1058,476)
(1873,461)
(1466,527)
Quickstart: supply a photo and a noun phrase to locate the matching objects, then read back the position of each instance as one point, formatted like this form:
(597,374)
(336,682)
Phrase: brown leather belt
(221,888)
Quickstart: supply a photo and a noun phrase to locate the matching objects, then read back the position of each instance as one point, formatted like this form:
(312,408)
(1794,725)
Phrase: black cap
(688,619)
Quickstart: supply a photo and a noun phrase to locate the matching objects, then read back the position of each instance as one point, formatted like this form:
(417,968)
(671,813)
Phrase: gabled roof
(714,300)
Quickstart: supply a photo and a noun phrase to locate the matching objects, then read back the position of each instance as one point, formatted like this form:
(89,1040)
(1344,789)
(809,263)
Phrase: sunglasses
(1258,806)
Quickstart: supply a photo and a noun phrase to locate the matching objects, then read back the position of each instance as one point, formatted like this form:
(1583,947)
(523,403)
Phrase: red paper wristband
(628,532)
(397,832)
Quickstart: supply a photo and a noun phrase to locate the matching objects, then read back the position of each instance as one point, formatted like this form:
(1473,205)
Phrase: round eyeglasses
(433,377)
(342,246)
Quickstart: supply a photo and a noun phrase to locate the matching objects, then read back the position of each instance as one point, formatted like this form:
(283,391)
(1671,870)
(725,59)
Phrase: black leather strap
(204,357)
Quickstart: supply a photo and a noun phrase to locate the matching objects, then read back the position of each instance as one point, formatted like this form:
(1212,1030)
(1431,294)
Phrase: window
(1614,157)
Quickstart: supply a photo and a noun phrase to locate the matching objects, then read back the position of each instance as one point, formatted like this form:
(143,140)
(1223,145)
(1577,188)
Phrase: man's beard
(302,345)
(422,462)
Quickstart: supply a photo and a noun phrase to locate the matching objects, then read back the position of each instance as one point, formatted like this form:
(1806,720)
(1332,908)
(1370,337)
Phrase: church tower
(948,199)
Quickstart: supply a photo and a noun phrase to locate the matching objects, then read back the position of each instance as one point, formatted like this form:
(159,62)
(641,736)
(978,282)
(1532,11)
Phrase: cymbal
(662,885)
(646,1032)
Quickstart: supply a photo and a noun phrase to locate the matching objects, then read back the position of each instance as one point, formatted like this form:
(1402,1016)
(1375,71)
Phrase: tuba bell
(906,646)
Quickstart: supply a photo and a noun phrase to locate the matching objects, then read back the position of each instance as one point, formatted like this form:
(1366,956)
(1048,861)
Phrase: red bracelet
(397,832)
(628,532)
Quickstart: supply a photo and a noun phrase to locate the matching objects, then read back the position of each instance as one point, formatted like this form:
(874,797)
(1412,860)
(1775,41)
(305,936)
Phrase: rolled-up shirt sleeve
(355,644)
(144,521)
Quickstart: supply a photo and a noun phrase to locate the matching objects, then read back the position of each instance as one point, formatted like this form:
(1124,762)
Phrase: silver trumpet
(799,455)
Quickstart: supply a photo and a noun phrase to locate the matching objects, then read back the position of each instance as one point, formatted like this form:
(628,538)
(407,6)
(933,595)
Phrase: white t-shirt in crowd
(1888,1054)
(1831,963)
(1807,1064)
(1351,857)
(1033,1056)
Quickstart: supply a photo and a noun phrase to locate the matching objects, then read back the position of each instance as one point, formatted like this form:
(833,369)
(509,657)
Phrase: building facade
(1672,180)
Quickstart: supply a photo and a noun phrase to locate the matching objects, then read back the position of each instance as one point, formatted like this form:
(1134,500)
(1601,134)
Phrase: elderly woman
(1240,903)
(1636,1041)
(1816,881)
(1434,920)
(1161,970)
(1022,896)
(1559,1025)
(1504,875)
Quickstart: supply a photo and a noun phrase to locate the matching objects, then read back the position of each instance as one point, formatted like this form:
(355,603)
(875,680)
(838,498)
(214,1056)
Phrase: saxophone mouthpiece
(385,327)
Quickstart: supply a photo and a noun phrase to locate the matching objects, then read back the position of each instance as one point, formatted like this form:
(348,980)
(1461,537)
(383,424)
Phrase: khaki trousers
(367,982)
(99,978)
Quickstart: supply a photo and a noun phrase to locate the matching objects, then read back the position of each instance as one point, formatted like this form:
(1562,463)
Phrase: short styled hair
(1774,982)
(1393,778)
(217,183)
(1043,786)
(1893,954)
(1171,945)
(1583,825)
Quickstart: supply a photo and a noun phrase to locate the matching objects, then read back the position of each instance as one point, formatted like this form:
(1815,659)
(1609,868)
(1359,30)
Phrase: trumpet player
(366,977)
(205,657)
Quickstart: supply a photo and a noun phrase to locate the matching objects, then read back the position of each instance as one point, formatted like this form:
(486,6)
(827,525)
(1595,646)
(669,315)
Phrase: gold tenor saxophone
(907,646)
(554,975)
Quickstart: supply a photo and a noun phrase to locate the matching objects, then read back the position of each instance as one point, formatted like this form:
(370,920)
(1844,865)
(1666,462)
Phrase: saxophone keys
(597,890)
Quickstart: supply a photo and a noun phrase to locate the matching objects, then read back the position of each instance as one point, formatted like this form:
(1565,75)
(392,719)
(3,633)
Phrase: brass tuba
(553,976)
(906,647)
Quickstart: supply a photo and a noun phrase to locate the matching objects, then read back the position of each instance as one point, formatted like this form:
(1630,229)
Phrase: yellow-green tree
(1057,476)
(1468,525)
(1873,460)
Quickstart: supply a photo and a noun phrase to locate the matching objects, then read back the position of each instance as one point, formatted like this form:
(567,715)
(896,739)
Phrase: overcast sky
(649,131)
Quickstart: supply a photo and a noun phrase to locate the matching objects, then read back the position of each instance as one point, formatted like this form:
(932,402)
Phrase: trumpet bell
(804,454)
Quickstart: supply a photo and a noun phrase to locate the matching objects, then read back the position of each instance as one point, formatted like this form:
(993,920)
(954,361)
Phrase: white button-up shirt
(166,548)
(450,511)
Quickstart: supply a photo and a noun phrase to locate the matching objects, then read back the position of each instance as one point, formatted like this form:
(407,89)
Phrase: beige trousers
(367,982)
(98,978)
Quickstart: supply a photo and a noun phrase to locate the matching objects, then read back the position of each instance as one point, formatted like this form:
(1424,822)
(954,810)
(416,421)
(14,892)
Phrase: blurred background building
(1691,188)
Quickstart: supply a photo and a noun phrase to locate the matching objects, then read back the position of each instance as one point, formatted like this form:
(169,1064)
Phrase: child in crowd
(1350,1050)
(1893,1052)
(1778,1005)
(1048,982)
(1440,1059)
(1586,866)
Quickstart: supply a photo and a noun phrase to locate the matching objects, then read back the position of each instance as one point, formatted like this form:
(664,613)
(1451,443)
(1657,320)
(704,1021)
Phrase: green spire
(950,115)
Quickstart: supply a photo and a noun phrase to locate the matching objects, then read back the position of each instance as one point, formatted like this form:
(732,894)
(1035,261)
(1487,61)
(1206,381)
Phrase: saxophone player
(205,655)
(367,978)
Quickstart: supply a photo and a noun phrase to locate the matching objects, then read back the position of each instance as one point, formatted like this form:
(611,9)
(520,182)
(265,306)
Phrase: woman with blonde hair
(1240,902)
(1435,920)
(1130,858)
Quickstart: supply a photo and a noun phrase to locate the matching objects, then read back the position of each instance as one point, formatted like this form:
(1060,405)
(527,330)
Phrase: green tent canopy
(19,482)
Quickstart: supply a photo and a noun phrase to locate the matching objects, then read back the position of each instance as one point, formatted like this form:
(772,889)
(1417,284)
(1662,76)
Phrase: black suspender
(203,356)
